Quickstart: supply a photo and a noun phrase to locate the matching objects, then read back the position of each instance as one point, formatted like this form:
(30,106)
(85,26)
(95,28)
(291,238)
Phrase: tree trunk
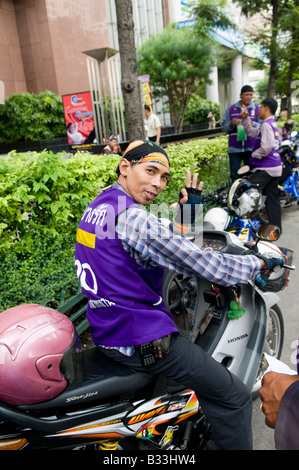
(273,49)
(129,74)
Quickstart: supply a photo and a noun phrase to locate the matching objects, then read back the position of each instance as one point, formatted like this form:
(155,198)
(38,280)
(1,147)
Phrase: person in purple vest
(121,253)
(240,145)
(265,160)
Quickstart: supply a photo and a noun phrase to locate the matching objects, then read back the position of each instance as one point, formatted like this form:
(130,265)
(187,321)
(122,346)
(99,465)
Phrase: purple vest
(125,305)
(273,158)
(235,112)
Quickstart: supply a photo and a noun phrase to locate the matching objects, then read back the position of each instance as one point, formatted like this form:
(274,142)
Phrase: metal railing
(75,307)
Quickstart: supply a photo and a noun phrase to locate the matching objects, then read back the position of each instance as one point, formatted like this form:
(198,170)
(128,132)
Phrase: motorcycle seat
(101,379)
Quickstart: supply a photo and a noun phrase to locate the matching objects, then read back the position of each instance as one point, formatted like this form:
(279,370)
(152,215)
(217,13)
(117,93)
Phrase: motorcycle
(289,182)
(76,399)
(235,325)
(236,210)
(103,406)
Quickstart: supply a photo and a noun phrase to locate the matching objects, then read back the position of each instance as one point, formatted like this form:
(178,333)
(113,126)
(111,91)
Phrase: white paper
(278,366)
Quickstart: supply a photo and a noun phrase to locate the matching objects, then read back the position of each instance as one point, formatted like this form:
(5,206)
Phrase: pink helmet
(38,353)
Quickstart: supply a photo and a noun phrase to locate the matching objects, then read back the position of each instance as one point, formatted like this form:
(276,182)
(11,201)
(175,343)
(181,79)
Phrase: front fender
(270,298)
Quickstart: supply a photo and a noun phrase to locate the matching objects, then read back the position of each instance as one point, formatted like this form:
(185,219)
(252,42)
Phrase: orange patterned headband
(143,151)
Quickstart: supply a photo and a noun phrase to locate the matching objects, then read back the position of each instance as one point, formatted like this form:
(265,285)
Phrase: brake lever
(289,267)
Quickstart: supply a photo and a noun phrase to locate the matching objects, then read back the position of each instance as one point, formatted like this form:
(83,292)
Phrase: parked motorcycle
(289,182)
(54,395)
(236,210)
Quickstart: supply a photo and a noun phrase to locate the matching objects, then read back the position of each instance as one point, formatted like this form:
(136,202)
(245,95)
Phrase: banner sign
(146,90)
(79,120)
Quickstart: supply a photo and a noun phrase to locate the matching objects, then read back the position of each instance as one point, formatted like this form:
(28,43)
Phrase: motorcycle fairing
(106,417)
(141,419)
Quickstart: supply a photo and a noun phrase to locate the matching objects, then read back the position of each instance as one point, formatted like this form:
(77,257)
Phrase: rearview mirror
(268,232)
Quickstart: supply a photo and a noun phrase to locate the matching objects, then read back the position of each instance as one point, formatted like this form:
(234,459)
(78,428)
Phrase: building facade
(43,44)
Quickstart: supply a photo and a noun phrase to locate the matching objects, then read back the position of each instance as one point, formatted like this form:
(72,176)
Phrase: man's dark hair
(146,106)
(271,103)
(246,88)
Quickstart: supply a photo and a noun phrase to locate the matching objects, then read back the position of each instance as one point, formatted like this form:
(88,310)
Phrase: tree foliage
(178,62)
(211,14)
(280,16)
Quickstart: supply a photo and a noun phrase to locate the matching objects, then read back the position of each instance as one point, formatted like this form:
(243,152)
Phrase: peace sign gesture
(190,194)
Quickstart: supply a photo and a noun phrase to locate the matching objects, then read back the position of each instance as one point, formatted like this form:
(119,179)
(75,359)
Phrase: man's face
(144,181)
(113,143)
(246,97)
(262,112)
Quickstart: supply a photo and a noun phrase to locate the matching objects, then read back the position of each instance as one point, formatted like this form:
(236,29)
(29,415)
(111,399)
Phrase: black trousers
(235,162)
(269,187)
(225,400)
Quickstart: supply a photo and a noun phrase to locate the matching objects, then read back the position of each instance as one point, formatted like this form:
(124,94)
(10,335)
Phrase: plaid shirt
(152,244)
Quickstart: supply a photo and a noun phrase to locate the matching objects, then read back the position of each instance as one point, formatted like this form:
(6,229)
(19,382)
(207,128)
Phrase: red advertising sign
(79,120)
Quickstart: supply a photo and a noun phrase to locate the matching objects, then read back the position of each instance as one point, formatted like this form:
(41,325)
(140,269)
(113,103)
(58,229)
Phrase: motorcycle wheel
(273,344)
(180,294)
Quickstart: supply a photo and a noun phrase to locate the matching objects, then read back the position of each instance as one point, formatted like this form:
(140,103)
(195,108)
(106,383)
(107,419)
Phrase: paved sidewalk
(263,437)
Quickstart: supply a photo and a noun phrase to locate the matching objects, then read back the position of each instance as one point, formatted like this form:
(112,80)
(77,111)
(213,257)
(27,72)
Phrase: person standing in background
(153,125)
(212,121)
(265,161)
(240,145)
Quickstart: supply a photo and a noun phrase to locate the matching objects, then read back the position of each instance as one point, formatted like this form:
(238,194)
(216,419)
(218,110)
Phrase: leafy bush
(41,275)
(48,193)
(26,116)
(295,118)
(198,109)
(43,197)
(208,157)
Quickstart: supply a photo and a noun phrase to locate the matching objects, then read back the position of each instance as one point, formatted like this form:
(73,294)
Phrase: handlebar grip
(261,281)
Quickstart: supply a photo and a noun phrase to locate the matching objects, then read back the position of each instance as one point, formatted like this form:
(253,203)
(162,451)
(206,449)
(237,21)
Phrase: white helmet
(243,199)
(218,217)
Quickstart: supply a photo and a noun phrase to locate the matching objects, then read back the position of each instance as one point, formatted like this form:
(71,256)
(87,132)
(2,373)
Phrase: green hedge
(208,157)
(295,118)
(47,193)
(43,197)
(27,116)
(41,275)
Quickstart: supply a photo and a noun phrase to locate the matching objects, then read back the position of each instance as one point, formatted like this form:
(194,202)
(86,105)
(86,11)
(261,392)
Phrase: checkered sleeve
(151,243)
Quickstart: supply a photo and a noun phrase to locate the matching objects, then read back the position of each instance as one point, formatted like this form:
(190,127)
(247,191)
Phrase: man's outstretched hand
(191,189)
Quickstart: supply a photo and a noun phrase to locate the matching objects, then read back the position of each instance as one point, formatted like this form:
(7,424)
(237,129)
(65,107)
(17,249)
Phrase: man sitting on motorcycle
(121,253)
